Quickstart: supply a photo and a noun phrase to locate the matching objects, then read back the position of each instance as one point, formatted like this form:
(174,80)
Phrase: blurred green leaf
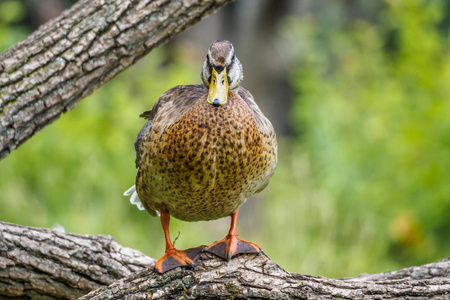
(11,11)
(375,121)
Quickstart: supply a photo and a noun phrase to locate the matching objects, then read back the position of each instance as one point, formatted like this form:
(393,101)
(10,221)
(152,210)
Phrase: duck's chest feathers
(216,139)
(206,163)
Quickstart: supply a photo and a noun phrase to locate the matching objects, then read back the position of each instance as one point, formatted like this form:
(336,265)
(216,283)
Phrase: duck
(204,150)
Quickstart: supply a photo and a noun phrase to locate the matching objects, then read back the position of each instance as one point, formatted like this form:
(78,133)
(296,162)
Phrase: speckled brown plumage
(202,162)
(203,152)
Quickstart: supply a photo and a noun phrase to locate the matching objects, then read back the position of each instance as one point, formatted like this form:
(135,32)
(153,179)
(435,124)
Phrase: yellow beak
(218,88)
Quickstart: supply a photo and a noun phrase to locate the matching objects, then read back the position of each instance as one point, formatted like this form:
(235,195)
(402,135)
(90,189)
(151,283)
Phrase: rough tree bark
(43,263)
(69,57)
(36,262)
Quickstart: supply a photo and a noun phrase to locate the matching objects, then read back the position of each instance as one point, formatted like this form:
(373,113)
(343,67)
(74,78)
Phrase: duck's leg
(231,245)
(173,257)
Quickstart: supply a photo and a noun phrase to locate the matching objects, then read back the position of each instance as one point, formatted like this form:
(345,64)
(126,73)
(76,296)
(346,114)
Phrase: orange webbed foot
(230,246)
(178,258)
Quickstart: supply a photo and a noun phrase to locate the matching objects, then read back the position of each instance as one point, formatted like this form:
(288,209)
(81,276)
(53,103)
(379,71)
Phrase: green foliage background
(362,187)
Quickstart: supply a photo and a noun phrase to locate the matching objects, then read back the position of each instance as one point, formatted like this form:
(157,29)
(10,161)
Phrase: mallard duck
(203,152)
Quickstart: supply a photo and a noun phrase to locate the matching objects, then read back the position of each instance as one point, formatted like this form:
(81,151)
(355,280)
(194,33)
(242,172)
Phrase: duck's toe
(178,258)
(231,246)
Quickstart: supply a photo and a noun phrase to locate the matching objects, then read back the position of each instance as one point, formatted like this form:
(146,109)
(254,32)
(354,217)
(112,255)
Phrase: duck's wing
(169,107)
(262,122)
(267,131)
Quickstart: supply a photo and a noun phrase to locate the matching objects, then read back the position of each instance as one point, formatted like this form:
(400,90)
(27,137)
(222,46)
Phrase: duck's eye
(214,81)
(233,56)
(223,81)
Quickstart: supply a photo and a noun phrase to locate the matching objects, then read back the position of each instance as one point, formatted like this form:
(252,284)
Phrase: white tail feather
(134,199)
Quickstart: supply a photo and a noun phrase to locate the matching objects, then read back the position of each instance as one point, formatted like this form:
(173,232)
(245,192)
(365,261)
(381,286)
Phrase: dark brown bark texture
(67,58)
(40,263)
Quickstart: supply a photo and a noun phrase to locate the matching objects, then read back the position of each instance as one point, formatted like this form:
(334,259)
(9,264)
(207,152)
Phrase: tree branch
(69,57)
(35,261)
(59,265)
(257,277)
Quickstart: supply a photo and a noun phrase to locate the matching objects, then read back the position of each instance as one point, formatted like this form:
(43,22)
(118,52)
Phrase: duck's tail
(134,199)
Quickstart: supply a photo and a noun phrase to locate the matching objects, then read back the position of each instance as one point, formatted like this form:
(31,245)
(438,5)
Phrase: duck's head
(222,71)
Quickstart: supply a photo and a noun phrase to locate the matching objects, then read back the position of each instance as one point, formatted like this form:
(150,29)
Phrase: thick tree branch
(59,265)
(257,277)
(69,57)
(36,261)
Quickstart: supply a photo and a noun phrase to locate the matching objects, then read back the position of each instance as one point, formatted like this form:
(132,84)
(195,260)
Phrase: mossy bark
(40,263)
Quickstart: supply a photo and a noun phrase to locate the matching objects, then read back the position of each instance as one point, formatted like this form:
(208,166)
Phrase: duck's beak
(218,88)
